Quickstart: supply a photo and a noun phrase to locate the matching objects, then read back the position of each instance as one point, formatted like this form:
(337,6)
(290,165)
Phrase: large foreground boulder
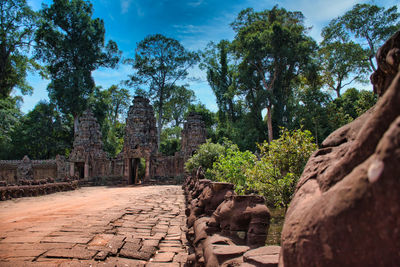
(346,209)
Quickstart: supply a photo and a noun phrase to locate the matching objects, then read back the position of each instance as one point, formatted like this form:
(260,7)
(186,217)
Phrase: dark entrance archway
(80,169)
(136,170)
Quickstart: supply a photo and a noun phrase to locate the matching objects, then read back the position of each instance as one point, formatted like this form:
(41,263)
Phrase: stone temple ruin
(88,161)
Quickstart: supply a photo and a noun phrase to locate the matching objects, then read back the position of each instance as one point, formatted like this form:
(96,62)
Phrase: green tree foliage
(205,157)
(42,133)
(343,63)
(72,44)
(221,77)
(178,104)
(273,46)
(311,103)
(349,106)
(367,24)
(232,166)
(170,140)
(17,26)
(281,164)
(109,107)
(159,63)
(9,119)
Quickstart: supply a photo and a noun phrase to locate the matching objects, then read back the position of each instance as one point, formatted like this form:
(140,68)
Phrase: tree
(42,133)
(72,45)
(343,63)
(109,106)
(369,24)
(178,104)
(17,26)
(221,77)
(274,44)
(9,119)
(349,106)
(159,63)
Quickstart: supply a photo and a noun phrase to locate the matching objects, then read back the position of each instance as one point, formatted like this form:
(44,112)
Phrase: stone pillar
(147,174)
(127,170)
(86,171)
(71,169)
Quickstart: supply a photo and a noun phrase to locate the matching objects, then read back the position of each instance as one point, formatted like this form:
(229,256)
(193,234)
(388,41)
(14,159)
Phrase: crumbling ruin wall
(193,134)
(11,171)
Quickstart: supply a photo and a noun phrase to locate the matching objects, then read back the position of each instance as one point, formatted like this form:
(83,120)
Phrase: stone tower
(193,134)
(140,139)
(88,158)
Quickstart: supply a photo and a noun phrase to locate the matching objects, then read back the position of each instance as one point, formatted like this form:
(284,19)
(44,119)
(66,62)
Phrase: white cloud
(125,4)
(195,3)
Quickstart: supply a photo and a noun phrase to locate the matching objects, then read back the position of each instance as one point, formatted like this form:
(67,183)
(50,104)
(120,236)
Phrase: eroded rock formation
(226,229)
(346,209)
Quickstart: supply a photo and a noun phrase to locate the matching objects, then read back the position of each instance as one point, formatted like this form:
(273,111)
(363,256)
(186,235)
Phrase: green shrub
(231,167)
(282,162)
(205,156)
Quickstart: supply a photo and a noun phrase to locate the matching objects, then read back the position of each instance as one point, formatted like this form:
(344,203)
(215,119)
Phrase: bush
(205,156)
(231,167)
(282,162)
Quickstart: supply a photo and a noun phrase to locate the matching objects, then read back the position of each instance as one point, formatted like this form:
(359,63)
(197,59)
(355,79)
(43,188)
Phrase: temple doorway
(80,169)
(137,170)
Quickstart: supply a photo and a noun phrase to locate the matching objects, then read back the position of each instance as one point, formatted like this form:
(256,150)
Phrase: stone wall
(13,170)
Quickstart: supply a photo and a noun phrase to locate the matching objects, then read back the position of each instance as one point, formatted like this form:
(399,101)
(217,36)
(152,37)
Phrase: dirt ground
(121,226)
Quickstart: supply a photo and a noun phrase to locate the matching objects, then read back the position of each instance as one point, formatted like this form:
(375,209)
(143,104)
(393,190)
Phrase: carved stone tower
(87,159)
(140,140)
(193,134)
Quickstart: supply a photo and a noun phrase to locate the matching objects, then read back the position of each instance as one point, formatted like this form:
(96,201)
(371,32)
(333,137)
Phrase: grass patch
(275,228)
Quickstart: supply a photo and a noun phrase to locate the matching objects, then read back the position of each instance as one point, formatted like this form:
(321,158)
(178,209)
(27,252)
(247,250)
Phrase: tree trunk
(269,124)
(159,124)
(76,124)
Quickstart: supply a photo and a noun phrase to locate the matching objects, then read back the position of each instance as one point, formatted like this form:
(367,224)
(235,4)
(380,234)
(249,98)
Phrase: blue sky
(193,22)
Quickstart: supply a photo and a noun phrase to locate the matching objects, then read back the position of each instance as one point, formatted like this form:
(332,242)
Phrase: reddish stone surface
(82,228)
(346,207)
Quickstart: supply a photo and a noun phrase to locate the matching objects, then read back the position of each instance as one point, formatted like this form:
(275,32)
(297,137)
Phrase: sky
(194,23)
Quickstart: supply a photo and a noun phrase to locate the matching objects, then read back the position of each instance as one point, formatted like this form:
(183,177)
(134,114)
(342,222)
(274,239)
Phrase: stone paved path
(95,226)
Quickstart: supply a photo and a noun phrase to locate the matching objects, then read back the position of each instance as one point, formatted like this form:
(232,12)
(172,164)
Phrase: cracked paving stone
(74,253)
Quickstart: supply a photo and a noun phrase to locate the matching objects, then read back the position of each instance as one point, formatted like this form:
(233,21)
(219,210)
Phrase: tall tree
(370,25)
(72,44)
(178,104)
(216,60)
(42,133)
(159,63)
(343,64)
(9,119)
(274,43)
(109,107)
(17,26)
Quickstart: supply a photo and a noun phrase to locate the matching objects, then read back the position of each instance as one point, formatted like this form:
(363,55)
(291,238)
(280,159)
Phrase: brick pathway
(97,226)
